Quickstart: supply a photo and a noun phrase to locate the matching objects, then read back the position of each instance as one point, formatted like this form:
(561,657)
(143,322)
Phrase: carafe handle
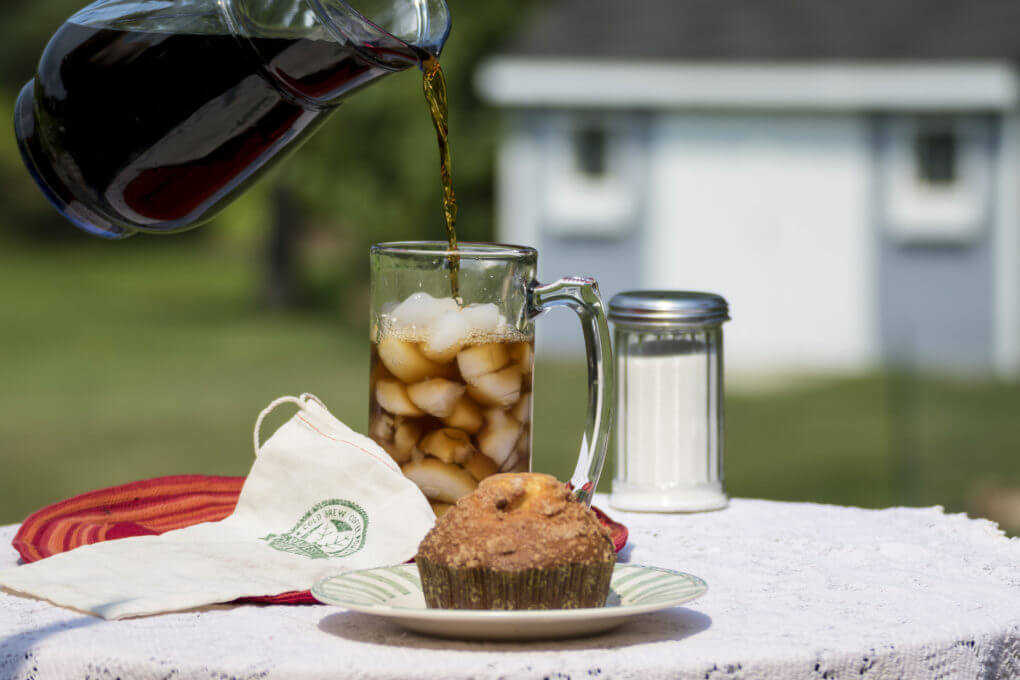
(581,294)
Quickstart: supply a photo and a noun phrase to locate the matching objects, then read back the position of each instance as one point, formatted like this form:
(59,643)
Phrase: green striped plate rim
(634,587)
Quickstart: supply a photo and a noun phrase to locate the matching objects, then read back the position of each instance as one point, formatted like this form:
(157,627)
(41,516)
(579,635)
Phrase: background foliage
(151,356)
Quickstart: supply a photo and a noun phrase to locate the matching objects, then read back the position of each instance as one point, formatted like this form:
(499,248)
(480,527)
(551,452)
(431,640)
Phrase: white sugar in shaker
(669,401)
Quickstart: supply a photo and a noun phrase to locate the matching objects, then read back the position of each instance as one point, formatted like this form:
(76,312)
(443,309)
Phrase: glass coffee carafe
(452,377)
(152,115)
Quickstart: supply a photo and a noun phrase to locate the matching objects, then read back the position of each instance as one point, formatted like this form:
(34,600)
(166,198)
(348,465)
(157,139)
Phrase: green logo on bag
(333,528)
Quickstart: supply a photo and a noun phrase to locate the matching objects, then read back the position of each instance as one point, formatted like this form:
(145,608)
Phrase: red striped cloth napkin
(152,507)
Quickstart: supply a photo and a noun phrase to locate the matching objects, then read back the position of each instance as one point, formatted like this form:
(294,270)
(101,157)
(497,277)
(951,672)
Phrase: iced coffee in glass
(452,339)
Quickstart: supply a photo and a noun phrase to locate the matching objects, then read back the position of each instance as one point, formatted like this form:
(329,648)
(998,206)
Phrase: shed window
(590,150)
(936,152)
(939,175)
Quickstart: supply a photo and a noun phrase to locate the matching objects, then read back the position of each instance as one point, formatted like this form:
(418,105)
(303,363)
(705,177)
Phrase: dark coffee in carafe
(133,125)
(161,128)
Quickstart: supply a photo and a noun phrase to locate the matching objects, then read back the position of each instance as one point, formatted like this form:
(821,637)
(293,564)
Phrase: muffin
(519,541)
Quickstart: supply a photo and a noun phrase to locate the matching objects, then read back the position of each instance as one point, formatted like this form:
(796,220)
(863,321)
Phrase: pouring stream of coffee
(435,97)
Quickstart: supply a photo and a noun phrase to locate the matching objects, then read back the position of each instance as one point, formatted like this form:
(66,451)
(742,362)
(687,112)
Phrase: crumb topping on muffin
(518,521)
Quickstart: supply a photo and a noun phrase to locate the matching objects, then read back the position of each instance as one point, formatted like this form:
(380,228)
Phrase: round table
(795,591)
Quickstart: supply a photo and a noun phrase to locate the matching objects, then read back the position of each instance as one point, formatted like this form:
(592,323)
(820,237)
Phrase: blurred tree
(280,282)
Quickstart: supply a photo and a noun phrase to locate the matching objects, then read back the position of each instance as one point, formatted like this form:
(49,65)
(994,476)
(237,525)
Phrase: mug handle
(581,294)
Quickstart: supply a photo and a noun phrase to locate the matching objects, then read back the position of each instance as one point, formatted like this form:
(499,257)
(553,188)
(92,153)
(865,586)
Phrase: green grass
(876,440)
(125,361)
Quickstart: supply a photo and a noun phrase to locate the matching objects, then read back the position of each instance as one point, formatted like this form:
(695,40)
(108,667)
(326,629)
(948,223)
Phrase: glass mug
(451,379)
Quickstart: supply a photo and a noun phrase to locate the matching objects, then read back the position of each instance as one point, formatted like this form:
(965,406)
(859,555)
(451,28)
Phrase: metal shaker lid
(668,309)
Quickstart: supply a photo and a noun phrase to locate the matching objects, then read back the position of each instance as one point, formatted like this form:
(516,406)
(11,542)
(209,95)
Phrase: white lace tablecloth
(795,591)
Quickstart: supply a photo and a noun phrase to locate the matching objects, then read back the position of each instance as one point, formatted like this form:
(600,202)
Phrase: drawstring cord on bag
(299,401)
(302,403)
(308,396)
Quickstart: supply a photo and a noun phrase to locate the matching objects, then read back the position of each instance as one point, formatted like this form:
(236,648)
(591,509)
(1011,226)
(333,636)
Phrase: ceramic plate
(394,593)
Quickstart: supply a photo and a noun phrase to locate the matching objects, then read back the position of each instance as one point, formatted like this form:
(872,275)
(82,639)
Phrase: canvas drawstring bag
(320,498)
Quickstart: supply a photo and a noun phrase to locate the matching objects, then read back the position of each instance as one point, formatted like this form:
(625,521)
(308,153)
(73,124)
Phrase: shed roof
(773,30)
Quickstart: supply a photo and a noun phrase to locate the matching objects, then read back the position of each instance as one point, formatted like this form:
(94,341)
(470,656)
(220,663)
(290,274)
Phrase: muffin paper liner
(570,586)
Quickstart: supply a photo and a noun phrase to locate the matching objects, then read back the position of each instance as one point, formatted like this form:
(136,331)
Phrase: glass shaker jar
(669,401)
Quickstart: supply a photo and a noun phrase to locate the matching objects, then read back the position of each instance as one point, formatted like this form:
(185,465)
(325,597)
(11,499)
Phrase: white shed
(845,174)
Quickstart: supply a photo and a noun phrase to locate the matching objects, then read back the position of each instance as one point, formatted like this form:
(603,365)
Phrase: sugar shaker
(669,401)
